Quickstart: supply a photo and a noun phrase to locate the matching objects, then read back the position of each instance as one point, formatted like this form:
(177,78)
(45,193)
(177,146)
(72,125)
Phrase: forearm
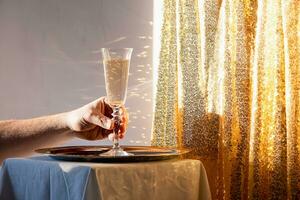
(21,137)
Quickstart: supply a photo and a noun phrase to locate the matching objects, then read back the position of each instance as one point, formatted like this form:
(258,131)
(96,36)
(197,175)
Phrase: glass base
(116,152)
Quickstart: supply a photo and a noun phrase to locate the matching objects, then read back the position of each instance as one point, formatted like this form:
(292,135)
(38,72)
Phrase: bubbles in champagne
(116,80)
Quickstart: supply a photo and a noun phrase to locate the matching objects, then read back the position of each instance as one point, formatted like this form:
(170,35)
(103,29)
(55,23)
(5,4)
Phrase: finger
(99,133)
(101,120)
(105,133)
(122,129)
(121,136)
(124,111)
(99,104)
(125,124)
(122,132)
(90,135)
(103,107)
(108,110)
(124,118)
(124,121)
(111,136)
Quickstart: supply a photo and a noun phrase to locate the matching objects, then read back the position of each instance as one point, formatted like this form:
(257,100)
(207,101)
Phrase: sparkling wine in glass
(116,64)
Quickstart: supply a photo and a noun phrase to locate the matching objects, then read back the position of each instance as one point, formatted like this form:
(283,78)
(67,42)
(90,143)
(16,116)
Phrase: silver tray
(93,153)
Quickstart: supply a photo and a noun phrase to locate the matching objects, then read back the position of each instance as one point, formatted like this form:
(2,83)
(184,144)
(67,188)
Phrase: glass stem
(117,122)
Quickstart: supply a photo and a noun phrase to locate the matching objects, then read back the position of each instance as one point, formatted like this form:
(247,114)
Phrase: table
(44,178)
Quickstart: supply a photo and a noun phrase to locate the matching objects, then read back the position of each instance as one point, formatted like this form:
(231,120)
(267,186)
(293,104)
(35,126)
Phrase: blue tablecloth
(42,178)
(37,179)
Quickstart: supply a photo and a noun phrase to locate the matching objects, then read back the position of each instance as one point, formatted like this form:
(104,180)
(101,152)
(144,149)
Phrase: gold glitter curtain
(227,85)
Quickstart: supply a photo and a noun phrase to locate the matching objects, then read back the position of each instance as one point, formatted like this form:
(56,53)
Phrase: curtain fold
(228,86)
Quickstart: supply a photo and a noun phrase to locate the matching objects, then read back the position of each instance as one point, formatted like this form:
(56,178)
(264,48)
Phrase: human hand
(93,121)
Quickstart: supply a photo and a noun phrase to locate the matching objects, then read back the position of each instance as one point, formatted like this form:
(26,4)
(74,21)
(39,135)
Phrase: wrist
(65,121)
(69,119)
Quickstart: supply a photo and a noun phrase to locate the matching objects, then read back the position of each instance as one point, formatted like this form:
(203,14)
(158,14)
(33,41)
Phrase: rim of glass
(126,48)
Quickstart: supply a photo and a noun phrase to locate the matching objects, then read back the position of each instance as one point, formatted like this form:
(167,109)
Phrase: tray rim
(98,158)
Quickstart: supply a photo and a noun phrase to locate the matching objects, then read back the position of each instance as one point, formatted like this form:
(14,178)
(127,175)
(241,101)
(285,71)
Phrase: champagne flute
(116,64)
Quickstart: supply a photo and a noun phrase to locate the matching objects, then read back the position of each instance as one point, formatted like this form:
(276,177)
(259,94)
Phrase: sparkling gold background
(228,86)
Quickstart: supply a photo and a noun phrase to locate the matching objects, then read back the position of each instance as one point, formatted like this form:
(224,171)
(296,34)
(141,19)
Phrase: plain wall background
(50,60)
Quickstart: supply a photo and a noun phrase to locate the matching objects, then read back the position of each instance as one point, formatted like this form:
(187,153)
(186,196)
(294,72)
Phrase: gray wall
(50,60)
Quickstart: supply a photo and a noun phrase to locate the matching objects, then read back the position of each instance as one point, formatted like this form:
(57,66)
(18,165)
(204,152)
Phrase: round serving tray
(93,153)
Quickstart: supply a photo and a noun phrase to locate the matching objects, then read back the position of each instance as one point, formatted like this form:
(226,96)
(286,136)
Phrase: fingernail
(111,137)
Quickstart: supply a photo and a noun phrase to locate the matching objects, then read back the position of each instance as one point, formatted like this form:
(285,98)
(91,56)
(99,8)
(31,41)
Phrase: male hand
(93,121)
